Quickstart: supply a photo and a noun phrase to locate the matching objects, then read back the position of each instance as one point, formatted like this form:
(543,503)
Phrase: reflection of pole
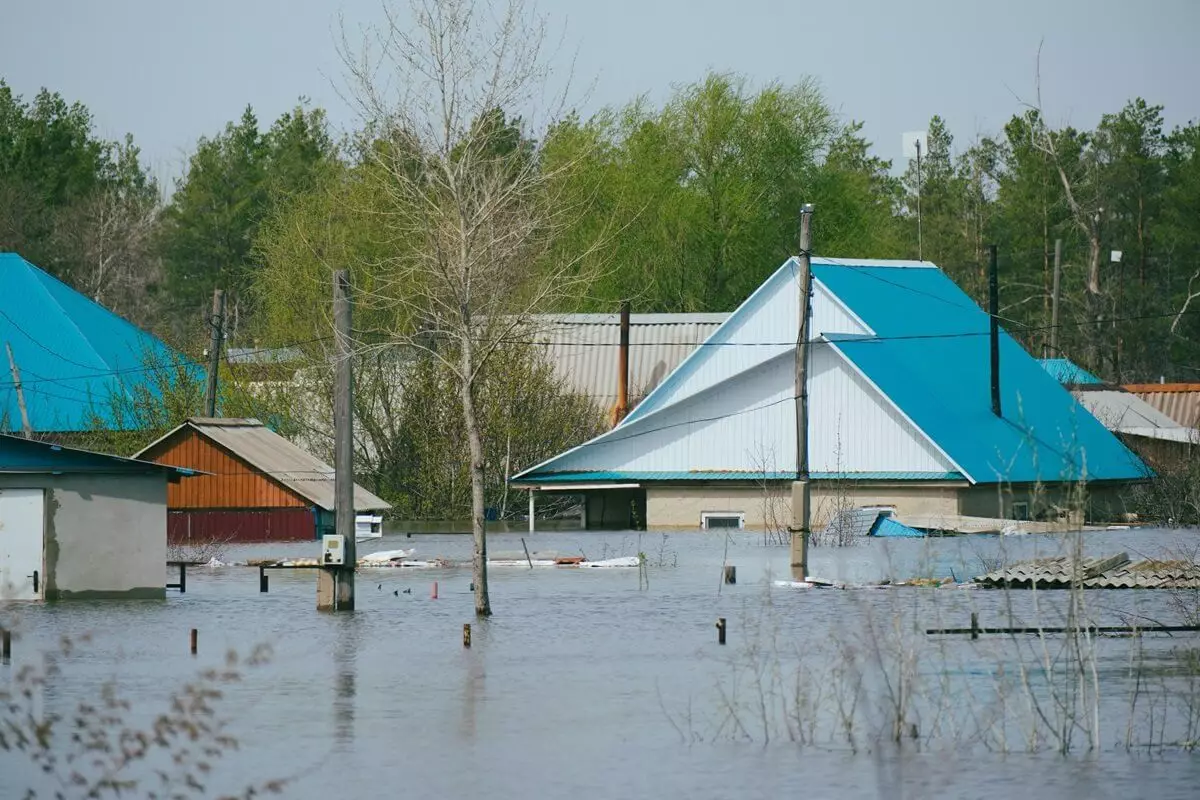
(800,489)
(343,452)
(26,428)
(920,251)
(217,323)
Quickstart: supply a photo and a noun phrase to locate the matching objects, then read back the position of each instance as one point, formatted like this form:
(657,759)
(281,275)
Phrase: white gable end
(762,328)
(853,428)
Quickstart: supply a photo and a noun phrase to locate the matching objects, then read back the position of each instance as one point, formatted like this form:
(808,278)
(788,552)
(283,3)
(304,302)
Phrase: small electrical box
(333,549)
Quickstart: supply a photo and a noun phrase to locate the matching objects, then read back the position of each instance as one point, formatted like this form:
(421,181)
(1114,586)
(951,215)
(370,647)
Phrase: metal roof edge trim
(898,263)
(836,344)
(725,475)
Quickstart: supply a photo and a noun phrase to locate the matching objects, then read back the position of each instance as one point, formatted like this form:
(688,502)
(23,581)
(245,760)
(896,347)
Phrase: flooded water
(588,683)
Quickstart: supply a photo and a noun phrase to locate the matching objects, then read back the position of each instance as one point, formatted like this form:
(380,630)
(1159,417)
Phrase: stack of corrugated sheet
(1149,575)
(1058,572)
(1109,572)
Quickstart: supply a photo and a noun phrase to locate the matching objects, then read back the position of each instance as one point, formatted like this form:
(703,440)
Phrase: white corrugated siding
(763,328)
(583,349)
(853,428)
(748,423)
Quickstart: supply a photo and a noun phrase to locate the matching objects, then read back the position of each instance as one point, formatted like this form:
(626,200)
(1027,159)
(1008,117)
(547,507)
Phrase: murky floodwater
(586,683)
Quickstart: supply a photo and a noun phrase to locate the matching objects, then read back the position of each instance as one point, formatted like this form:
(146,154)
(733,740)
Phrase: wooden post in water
(466,634)
(194,640)
(800,489)
(335,584)
(527,558)
(974,625)
(730,574)
(720,630)
(264,583)
(5,645)
(433,591)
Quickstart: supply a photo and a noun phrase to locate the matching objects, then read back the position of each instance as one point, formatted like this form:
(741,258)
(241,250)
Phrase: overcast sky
(170,72)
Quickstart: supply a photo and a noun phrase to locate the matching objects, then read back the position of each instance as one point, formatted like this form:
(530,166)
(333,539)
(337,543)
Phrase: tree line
(695,200)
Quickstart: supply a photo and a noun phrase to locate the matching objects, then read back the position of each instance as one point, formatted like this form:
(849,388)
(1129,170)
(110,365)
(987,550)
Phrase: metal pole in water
(6,645)
(974,625)
(720,630)
(264,583)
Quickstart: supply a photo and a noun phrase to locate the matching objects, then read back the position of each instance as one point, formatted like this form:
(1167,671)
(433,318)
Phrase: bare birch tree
(470,211)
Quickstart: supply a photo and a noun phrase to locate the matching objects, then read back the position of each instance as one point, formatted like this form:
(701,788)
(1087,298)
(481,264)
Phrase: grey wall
(106,535)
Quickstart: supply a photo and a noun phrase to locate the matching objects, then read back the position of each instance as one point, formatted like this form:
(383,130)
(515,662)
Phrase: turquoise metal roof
(18,454)
(930,356)
(606,476)
(73,354)
(1067,372)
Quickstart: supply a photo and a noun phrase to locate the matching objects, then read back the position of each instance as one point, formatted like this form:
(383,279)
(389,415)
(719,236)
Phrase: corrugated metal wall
(238,527)
(853,428)
(233,484)
(1180,402)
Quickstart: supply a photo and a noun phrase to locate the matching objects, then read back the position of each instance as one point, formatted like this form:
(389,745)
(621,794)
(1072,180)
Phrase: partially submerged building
(80,365)
(78,524)
(257,486)
(899,416)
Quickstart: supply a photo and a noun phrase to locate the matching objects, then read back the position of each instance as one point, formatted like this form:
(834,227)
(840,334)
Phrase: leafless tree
(108,240)
(470,210)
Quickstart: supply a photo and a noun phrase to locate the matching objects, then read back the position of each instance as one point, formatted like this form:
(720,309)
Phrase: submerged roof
(1067,372)
(277,458)
(918,341)
(21,455)
(74,356)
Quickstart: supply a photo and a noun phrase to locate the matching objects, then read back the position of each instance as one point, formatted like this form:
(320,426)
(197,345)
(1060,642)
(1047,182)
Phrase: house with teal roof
(77,363)
(900,415)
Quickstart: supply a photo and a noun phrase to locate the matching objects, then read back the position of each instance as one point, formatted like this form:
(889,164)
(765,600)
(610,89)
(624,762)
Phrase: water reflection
(474,681)
(347,643)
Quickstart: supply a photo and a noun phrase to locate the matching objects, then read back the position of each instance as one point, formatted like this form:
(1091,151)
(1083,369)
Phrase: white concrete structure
(75,524)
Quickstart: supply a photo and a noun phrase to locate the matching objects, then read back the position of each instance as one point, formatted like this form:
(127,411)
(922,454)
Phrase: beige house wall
(681,507)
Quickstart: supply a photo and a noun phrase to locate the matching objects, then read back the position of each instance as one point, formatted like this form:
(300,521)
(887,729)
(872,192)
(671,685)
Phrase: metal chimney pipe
(994,313)
(622,406)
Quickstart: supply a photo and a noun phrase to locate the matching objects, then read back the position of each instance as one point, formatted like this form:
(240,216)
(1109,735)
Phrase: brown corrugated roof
(1179,401)
(279,459)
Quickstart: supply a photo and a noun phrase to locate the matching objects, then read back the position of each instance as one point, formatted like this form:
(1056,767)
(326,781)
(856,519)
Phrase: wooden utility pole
(800,490)
(26,428)
(217,323)
(994,330)
(1054,351)
(343,444)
